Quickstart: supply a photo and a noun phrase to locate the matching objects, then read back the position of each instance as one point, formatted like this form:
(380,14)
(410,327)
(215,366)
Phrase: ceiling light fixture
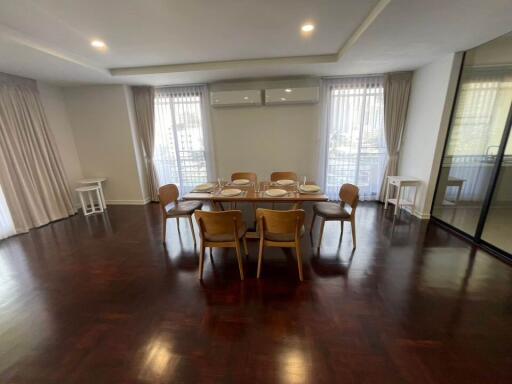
(246,98)
(283,99)
(287,90)
(308,27)
(98,44)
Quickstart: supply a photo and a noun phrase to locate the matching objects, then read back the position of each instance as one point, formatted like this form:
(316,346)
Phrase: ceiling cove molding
(244,63)
(361,29)
(214,65)
(10,34)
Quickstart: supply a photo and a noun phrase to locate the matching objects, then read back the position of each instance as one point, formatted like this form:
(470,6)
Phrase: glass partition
(474,150)
(498,223)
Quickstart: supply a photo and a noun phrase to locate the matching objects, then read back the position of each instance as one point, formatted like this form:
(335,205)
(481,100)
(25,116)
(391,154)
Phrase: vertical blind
(182,153)
(355,148)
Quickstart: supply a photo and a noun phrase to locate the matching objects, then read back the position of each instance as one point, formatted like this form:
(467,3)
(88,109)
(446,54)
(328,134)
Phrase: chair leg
(321,232)
(260,257)
(239,259)
(178,223)
(353,224)
(201,262)
(192,229)
(341,229)
(298,251)
(211,255)
(164,229)
(245,246)
(312,223)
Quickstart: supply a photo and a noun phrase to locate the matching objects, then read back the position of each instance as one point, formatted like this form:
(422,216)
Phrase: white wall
(55,110)
(432,92)
(263,139)
(100,118)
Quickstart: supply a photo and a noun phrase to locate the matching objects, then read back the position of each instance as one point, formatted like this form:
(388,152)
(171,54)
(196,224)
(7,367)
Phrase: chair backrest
(280,222)
(218,222)
(167,194)
(245,175)
(283,176)
(349,194)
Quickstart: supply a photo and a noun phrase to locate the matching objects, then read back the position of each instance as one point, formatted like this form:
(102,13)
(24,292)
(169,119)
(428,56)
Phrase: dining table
(255,193)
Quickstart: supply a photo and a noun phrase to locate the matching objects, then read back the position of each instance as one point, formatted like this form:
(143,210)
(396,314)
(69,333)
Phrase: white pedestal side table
(87,193)
(401,182)
(98,182)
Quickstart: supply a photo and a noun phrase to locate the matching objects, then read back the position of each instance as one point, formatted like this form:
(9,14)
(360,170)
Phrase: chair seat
(282,236)
(183,208)
(222,237)
(331,211)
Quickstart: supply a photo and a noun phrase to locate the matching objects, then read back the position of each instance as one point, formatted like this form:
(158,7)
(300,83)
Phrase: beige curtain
(144,100)
(31,173)
(397,87)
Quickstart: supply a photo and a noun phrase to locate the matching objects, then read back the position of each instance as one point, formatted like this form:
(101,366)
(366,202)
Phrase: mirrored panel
(498,224)
(478,124)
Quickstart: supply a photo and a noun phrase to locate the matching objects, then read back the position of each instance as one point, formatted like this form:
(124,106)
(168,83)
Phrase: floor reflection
(159,362)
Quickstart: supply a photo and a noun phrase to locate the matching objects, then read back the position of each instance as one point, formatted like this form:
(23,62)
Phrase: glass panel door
(497,228)
(478,124)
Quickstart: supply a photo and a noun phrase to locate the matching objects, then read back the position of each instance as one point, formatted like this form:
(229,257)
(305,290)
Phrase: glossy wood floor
(99,300)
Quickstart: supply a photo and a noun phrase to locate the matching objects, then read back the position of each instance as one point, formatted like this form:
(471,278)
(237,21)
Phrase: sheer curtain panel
(31,174)
(397,87)
(144,100)
(352,143)
(183,153)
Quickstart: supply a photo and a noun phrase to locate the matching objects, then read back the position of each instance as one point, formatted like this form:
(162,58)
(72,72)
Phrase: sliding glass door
(474,186)
(478,124)
(497,229)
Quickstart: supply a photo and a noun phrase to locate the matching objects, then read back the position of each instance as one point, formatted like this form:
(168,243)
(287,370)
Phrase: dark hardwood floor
(99,300)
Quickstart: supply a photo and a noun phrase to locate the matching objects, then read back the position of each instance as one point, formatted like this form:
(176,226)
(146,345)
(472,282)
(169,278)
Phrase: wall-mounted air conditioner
(235,98)
(291,95)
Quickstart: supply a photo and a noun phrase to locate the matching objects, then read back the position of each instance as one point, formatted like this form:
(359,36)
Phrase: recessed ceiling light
(98,44)
(287,90)
(308,27)
(246,98)
(283,99)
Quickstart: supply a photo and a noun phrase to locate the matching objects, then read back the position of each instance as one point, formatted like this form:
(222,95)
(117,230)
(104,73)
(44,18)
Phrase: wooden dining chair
(349,194)
(274,176)
(172,208)
(221,229)
(282,229)
(251,176)
(244,175)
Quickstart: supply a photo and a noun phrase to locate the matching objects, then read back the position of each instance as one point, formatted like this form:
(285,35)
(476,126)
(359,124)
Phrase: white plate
(276,192)
(204,187)
(231,192)
(310,188)
(285,182)
(241,182)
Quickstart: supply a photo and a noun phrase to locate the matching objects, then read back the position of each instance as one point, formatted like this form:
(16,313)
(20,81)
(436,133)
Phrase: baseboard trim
(128,202)
(416,213)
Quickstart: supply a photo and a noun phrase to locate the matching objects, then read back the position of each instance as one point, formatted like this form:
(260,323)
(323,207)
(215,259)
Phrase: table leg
(387,196)
(459,191)
(397,205)
(103,202)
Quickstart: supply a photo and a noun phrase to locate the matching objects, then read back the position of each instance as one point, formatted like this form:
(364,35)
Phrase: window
(356,147)
(6,224)
(181,154)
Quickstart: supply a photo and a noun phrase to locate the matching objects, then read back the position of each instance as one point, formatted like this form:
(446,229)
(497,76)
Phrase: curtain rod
(180,85)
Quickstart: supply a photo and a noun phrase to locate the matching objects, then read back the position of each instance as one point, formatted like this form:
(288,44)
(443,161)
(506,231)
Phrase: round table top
(86,189)
(92,180)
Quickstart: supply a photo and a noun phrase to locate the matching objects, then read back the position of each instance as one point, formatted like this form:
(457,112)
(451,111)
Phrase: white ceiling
(49,39)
